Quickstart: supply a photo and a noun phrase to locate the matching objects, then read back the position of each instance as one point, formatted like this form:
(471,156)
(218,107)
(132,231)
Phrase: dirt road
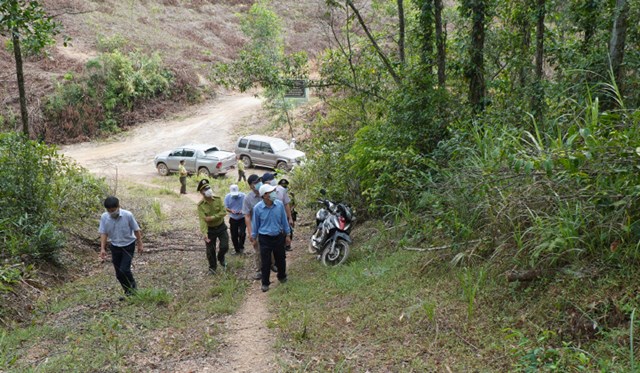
(248,343)
(132,153)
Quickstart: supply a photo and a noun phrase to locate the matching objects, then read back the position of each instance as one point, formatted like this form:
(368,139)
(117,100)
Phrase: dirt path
(247,345)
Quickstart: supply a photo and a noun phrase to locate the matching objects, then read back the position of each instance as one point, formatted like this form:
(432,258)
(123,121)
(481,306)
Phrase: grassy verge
(402,311)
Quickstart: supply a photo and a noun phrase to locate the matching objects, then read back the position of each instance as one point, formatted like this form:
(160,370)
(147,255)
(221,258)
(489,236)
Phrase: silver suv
(267,151)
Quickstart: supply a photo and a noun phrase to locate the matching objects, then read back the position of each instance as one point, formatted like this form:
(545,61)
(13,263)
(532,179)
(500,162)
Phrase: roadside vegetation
(104,99)
(499,161)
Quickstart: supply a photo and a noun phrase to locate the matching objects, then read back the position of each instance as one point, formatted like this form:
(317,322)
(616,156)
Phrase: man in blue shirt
(251,199)
(270,227)
(121,230)
(233,202)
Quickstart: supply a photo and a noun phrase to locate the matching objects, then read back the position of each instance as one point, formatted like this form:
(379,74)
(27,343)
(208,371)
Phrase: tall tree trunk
(618,40)
(425,20)
(20,76)
(401,24)
(538,96)
(525,33)
(476,74)
(440,44)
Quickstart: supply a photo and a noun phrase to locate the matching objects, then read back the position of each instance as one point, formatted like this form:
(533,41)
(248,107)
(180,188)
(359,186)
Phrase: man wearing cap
(269,226)
(283,196)
(281,193)
(233,204)
(119,228)
(284,183)
(211,213)
(250,200)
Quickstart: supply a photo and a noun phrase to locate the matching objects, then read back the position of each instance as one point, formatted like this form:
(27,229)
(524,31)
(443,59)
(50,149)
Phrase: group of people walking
(265,215)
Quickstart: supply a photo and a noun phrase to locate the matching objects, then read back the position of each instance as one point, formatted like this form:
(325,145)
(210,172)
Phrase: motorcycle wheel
(339,255)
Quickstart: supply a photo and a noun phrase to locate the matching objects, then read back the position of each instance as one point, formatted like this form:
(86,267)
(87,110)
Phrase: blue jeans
(121,258)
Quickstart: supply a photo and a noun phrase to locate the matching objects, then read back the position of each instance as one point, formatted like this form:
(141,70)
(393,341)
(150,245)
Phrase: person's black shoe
(212,271)
(265,288)
(283,280)
(288,248)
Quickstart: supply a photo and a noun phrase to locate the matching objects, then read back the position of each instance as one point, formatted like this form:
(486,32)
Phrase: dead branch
(527,275)
(170,249)
(464,340)
(377,48)
(435,248)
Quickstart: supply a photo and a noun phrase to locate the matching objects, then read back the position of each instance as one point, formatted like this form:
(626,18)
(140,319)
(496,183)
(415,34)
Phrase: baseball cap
(234,190)
(253,179)
(268,177)
(266,188)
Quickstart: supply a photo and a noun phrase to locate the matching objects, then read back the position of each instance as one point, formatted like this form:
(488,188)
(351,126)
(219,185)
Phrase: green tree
(28,25)
(262,62)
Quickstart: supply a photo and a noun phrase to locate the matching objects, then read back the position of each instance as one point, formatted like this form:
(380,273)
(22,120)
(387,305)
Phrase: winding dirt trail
(247,345)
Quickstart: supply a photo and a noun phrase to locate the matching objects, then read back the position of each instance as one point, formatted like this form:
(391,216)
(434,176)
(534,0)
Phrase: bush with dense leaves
(113,85)
(43,194)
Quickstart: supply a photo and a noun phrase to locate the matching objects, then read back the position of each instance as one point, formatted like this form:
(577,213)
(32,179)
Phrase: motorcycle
(331,239)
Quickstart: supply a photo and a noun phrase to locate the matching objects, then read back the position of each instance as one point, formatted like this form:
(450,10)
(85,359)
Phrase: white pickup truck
(205,159)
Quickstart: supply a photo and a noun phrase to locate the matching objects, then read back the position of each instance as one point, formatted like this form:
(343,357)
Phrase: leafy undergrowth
(390,309)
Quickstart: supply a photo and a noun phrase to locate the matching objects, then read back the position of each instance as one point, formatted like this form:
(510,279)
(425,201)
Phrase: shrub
(113,85)
(37,197)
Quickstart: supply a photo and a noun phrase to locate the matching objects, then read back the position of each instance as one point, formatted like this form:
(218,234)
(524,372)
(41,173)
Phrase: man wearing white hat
(233,204)
(269,225)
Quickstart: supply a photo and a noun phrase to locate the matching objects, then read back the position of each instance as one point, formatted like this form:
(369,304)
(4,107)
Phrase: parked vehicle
(331,239)
(203,159)
(268,151)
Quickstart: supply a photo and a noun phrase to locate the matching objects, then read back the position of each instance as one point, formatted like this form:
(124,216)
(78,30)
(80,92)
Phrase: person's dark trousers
(275,245)
(238,230)
(183,185)
(121,258)
(294,217)
(217,233)
(241,176)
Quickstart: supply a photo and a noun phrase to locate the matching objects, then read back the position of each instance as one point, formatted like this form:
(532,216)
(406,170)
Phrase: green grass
(402,311)
(85,328)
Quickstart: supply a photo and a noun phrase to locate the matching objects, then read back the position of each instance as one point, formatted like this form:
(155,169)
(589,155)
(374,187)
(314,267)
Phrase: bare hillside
(189,35)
